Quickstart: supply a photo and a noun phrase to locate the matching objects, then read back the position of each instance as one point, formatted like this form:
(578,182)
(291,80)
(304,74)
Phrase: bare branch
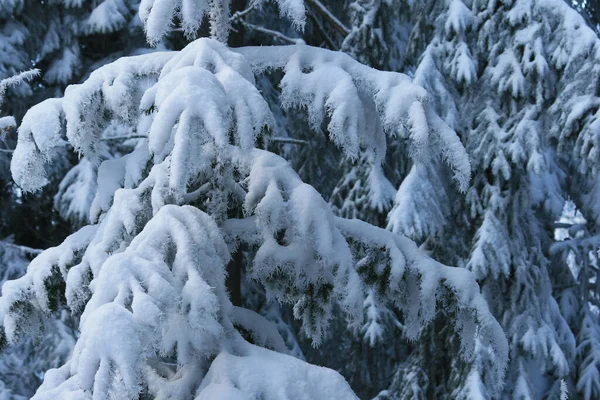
(279,139)
(108,139)
(330,43)
(332,19)
(272,33)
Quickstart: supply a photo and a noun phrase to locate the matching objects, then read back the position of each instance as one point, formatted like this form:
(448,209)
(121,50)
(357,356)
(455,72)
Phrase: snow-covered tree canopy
(518,81)
(188,185)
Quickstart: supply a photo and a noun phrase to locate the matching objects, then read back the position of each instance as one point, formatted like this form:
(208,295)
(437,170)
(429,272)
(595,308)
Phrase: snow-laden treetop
(148,274)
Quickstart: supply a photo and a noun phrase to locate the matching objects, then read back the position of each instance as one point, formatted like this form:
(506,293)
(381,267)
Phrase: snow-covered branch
(24,249)
(15,80)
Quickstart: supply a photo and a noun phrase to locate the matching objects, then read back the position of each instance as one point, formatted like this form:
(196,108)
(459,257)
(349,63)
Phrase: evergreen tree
(148,275)
(203,254)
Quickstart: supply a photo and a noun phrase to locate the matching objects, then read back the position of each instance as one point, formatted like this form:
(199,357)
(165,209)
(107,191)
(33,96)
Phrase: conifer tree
(148,273)
(182,181)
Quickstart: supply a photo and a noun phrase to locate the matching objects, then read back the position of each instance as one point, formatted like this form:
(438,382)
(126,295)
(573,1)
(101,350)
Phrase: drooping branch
(406,264)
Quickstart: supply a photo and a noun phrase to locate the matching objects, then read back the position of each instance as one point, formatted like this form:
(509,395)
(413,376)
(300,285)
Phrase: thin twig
(288,140)
(270,32)
(125,137)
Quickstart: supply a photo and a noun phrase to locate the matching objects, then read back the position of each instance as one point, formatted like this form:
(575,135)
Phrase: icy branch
(15,80)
